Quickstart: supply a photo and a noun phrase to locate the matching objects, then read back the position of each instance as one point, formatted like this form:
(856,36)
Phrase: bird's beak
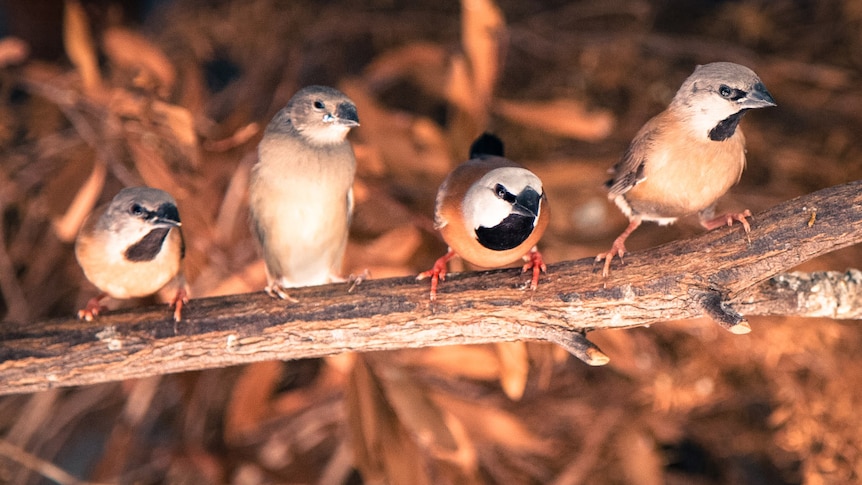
(346,115)
(758,97)
(527,203)
(167,216)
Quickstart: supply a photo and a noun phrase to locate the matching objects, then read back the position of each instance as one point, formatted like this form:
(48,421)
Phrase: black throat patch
(726,127)
(149,246)
(508,234)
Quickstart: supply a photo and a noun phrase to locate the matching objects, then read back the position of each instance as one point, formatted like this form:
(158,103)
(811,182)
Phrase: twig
(42,467)
(10,288)
(717,273)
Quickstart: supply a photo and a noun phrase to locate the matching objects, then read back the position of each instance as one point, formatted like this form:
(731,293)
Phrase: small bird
(491,212)
(301,190)
(133,247)
(686,157)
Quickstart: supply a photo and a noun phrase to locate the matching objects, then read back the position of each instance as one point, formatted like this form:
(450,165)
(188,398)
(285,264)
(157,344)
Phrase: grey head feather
(156,203)
(313,112)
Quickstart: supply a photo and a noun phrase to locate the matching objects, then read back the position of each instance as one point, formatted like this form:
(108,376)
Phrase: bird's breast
(110,268)
(300,207)
(683,176)
(500,245)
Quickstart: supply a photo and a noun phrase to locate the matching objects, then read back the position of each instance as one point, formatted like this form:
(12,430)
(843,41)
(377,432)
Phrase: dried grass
(178,103)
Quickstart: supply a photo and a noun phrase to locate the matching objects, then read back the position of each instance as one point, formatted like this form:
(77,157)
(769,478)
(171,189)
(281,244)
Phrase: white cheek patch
(707,112)
(482,208)
(328,134)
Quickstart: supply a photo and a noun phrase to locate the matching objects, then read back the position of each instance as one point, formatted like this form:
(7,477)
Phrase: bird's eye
(504,194)
(319,104)
(725,91)
(500,191)
(137,210)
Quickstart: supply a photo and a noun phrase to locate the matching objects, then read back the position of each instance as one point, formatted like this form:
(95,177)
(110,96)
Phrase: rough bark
(722,273)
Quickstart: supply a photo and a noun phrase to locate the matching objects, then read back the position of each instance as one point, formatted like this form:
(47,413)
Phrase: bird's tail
(486,144)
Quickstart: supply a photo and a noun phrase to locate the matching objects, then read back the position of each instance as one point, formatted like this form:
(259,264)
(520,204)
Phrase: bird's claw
(535,262)
(275,290)
(180,298)
(356,280)
(92,310)
(727,219)
(437,273)
(618,248)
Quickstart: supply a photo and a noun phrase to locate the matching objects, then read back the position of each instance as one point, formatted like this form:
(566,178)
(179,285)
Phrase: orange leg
(275,290)
(437,272)
(93,308)
(356,280)
(728,220)
(534,260)
(177,302)
(618,248)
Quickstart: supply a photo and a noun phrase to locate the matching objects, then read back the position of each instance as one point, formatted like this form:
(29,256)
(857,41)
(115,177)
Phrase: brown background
(173,94)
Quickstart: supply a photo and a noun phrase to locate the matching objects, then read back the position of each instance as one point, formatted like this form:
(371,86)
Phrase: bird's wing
(629,171)
(350,205)
(182,243)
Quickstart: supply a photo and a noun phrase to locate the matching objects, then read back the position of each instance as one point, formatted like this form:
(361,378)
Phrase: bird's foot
(275,290)
(727,219)
(356,280)
(618,248)
(535,262)
(93,308)
(437,272)
(180,298)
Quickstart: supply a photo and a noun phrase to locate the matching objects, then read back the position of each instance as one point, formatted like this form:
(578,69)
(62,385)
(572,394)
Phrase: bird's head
(712,100)
(135,213)
(503,207)
(322,115)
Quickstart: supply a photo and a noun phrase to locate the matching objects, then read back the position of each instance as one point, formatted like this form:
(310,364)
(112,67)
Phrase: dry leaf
(229,220)
(140,402)
(130,49)
(482,29)
(179,120)
(216,280)
(80,48)
(394,248)
(473,73)
(171,121)
(638,454)
(514,368)
(385,452)
(152,167)
(437,432)
(595,437)
(631,356)
(408,145)
(424,63)
(418,414)
(562,116)
(459,85)
(466,361)
(488,424)
(13,51)
(82,205)
(239,137)
(249,403)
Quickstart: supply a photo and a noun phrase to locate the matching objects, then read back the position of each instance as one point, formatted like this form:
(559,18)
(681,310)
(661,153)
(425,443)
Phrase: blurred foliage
(99,95)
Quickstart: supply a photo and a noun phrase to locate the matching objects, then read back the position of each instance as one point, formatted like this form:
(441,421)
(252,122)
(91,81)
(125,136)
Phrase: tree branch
(719,273)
